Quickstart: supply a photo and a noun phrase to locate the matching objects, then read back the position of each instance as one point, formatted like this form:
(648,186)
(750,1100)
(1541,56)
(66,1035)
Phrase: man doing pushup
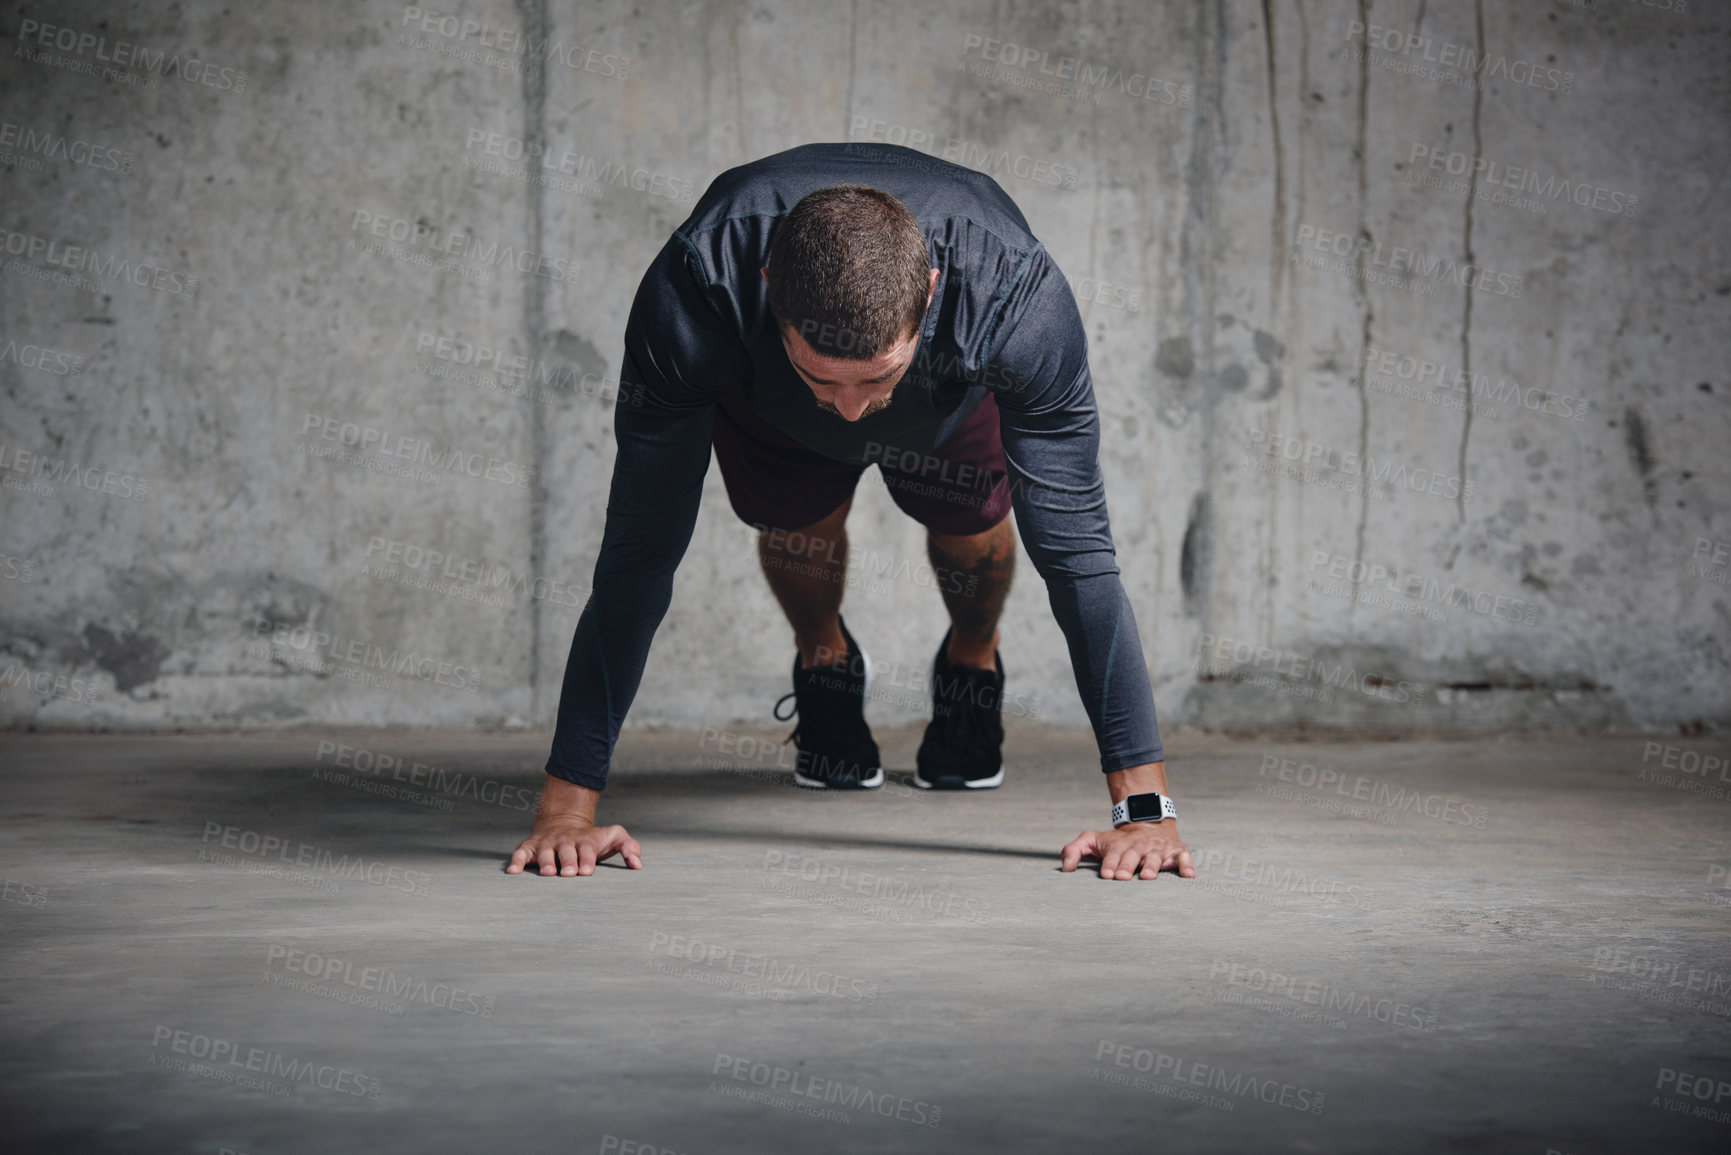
(822,310)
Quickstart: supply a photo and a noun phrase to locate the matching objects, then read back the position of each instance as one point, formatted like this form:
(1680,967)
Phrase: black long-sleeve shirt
(1002,320)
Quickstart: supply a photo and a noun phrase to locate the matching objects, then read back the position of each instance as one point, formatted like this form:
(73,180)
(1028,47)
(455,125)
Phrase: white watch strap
(1121,811)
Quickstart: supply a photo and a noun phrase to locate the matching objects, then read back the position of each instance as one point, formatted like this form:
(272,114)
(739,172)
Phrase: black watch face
(1143,807)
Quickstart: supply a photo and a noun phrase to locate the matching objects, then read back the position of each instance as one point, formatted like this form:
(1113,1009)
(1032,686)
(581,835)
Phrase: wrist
(1146,779)
(563,799)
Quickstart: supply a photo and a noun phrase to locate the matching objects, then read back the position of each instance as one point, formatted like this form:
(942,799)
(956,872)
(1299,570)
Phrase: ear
(765,272)
(931,286)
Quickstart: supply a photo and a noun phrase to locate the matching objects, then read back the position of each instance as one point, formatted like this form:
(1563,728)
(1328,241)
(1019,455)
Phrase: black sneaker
(836,751)
(964,743)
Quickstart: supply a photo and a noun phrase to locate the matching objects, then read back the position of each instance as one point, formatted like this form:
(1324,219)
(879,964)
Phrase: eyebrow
(878,380)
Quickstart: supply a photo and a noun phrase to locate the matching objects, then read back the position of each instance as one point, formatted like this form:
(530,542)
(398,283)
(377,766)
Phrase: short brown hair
(849,271)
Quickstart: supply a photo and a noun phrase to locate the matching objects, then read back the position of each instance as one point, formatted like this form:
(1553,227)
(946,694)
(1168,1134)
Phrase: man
(823,309)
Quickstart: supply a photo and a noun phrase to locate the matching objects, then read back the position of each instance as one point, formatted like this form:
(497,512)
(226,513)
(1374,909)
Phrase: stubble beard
(877,406)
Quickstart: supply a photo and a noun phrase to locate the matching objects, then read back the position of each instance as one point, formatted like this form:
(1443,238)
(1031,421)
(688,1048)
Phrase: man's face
(851,389)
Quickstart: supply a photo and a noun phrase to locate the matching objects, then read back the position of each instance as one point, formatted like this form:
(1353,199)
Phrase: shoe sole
(873,780)
(988,783)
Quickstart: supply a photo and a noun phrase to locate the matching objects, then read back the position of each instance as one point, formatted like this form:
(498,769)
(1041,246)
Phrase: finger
(1109,864)
(1079,848)
(1186,868)
(549,863)
(586,860)
(567,858)
(518,857)
(632,853)
(612,842)
(1151,866)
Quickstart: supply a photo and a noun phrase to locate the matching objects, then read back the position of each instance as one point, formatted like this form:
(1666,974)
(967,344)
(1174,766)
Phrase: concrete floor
(889,972)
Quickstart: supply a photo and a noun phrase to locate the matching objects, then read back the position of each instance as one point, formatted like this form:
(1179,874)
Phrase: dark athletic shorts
(773,481)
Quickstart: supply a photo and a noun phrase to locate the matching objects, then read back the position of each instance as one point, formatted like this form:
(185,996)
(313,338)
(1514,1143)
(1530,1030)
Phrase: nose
(853,406)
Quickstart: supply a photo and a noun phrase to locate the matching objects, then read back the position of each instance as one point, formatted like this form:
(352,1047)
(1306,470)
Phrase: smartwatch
(1142,808)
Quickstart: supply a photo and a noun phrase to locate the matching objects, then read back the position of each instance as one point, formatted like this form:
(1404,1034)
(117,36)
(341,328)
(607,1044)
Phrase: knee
(996,545)
(820,538)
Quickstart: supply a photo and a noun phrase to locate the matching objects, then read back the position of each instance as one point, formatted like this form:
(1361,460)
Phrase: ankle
(973,654)
(822,650)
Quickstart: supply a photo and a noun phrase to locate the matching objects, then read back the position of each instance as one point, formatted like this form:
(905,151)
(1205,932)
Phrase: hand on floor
(571,846)
(1135,850)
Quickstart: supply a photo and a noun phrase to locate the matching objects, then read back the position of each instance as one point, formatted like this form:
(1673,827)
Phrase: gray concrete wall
(1238,193)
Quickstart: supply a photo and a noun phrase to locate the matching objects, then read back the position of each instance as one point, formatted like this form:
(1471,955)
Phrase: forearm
(604,668)
(1106,655)
(651,511)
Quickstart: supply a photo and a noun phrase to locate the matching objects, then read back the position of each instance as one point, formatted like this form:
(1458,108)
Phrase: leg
(974,573)
(807,571)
